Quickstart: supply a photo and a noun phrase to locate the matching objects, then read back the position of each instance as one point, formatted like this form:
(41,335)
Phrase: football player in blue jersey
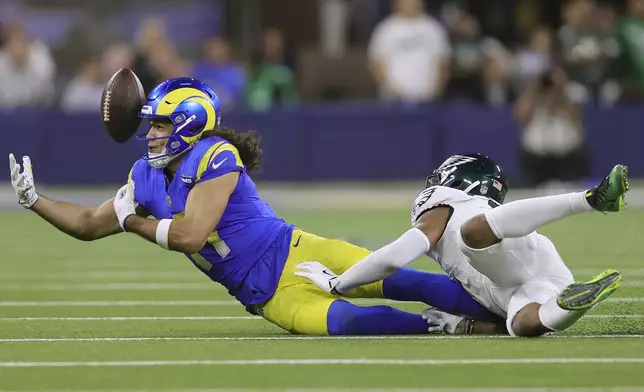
(191,193)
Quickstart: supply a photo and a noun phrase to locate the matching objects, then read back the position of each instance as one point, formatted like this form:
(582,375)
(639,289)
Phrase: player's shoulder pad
(213,157)
(433,197)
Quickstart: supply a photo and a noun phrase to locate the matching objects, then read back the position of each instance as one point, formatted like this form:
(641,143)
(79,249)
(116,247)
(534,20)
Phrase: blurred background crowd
(544,58)
(263,53)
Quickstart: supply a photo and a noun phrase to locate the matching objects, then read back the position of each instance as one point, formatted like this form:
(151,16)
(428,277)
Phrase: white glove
(317,273)
(441,322)
(23,183)
(124,204)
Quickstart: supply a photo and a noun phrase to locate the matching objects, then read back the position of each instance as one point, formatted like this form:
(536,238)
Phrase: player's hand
(124,204)
(23,183)
(317,273)
(441,322)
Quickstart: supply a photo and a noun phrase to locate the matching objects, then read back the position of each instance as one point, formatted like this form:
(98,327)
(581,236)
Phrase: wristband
(163,229)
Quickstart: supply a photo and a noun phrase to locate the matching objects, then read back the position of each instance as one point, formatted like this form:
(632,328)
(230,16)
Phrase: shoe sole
(581,296)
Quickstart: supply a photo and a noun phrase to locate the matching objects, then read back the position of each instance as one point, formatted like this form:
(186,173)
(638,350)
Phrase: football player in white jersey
(491,248)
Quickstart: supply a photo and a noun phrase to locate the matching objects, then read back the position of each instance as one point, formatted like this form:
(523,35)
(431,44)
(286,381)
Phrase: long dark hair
(247,143)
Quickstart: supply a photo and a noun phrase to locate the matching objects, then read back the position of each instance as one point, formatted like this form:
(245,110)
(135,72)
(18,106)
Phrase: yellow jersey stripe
(233,149)
(205,159)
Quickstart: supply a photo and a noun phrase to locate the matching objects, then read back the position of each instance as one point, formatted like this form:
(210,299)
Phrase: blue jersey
(247,250)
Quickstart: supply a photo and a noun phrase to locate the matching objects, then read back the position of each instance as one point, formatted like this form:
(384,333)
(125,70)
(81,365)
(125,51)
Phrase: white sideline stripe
(112,286)
(124,286)
(203,303)
(295,337)
(329,361)
(149,286)
(96,273)
(142,318)
(117,303)
(504,389)
(208,318)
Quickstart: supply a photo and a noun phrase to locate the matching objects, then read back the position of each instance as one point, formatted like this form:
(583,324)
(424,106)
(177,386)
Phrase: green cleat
(585,295)
(608,196)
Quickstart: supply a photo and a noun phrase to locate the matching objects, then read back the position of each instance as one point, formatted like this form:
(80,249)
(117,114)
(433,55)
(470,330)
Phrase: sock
(345,318)
(557,319)
(522,217)
(436,290)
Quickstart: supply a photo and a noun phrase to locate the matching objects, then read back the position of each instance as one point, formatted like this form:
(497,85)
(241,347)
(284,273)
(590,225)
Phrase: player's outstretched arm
(86,224)
(204,207)
(384,261)
(79,222)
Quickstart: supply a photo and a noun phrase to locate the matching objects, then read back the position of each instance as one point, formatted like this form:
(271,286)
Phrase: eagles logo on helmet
(475,174)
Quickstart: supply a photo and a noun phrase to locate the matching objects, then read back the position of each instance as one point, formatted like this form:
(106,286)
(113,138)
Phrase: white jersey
(446,252)
(503,277)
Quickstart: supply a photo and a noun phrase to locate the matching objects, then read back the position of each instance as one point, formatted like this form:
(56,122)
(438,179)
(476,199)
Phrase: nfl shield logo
(483,189)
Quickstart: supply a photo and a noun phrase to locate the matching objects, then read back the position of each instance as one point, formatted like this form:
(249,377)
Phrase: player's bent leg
(560,312)
(522,217)
(345,318)
(435,290)
(304,309)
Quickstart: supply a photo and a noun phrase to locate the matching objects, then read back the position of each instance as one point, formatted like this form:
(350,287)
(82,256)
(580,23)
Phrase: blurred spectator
(218,70)
(630,64)
(585,52)
(115,57)
(83,93)
(271,82)
(166,62)
(535,59)
(150,34)
(468,59)
(26,70)
(552,135)
(409,54)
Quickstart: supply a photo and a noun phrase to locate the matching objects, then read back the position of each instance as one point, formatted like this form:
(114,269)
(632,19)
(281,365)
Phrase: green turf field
(122,314)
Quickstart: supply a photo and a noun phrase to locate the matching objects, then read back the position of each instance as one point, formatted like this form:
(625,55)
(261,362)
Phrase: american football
(121,101)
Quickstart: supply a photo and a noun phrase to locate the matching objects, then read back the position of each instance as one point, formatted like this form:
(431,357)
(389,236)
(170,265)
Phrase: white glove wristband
(163,231)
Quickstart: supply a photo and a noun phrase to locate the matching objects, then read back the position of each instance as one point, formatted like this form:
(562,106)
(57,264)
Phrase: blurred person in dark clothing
(629,32)
(271,81)
(150,34)
(479,64)
(552,137)
(468,59)
(586,52)
(534,59)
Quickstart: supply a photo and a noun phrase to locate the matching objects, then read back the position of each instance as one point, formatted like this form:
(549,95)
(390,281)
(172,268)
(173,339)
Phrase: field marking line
(205,303)
(296,337)
(327,361)
(135,286)
(218,318)
(134,318)
(487,389)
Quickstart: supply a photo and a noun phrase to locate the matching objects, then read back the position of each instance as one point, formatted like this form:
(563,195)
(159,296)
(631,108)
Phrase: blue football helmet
(191,106)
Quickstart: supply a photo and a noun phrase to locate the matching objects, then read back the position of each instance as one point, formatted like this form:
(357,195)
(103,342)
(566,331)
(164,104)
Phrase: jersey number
(427,193)
(220,247)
